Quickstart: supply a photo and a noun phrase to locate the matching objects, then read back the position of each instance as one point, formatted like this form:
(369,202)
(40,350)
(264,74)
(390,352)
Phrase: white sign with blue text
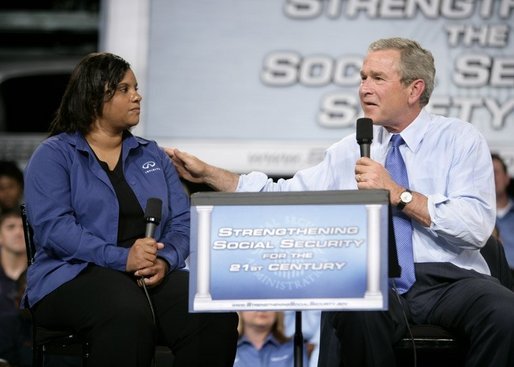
(288,251)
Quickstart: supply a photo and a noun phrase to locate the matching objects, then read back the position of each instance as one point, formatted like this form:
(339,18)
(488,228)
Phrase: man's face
(383,97)
(11,235)
(10,192)
(501,178)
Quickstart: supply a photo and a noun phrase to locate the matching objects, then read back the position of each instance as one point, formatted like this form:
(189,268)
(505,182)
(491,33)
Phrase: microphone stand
(298,340)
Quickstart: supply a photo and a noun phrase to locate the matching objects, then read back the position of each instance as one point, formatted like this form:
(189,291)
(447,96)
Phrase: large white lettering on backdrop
(470,69)
(391,9)
(268,84)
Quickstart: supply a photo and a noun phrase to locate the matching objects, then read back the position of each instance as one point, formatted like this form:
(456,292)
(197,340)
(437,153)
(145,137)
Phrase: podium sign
(323,250)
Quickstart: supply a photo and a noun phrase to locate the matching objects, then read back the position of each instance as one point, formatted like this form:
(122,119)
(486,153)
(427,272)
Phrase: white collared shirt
(447,160)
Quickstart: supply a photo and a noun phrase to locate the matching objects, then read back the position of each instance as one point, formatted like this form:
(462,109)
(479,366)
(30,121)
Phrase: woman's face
(122,111)
(259,319)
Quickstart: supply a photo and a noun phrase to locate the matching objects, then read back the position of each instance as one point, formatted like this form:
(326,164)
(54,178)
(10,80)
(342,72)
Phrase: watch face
(406,197)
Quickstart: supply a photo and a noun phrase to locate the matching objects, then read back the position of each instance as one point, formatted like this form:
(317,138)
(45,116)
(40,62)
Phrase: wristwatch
(405,198)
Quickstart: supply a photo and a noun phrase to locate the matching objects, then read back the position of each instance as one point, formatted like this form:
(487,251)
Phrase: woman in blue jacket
(86,189)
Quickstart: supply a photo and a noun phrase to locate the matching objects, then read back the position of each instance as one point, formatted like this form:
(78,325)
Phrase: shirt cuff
(116,258)
(252,182)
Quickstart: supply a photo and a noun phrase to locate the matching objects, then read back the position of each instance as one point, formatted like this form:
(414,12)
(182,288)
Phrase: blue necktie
(401,223)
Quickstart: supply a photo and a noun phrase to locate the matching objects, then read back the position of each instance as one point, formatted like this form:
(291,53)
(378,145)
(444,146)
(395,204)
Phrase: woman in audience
(262,341)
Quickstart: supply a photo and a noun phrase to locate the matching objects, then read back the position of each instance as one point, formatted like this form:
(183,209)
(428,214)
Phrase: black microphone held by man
(364,135)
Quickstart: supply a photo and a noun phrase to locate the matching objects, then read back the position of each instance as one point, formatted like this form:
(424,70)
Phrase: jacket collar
(78,140)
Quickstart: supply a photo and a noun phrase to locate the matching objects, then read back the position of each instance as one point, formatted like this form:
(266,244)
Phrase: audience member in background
(311,321)
(504,208)
(96,271)
(15,324)
(262,341)
(11,185)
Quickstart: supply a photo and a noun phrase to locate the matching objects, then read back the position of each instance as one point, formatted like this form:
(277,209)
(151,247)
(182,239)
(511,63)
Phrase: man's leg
(364,338)
(471,305)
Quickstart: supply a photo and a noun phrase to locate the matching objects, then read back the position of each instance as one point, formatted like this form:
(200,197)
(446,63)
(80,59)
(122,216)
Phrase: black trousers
(108,308)
(474,306)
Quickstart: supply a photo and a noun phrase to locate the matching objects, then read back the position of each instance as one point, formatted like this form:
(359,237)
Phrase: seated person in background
(11,186)
(15,324)
(504,208)
(262,341)
(95,270)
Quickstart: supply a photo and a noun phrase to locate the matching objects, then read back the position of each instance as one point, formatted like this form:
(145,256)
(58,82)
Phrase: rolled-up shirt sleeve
(464,214)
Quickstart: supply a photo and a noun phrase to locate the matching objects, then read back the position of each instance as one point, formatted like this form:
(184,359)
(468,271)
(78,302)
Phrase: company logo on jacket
(150,166)
(279,358)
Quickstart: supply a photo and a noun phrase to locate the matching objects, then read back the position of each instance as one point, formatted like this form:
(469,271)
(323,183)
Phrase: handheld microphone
(153,214)
(365,135)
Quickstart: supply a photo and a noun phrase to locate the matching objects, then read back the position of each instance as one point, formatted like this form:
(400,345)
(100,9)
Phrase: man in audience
(504,208)
(11,185)
(15,325)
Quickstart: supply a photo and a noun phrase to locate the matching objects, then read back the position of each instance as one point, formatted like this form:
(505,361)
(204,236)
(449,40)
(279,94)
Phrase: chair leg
(37,356)
(85,354)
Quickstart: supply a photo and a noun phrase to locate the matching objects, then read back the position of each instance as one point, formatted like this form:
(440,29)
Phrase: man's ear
(417,87)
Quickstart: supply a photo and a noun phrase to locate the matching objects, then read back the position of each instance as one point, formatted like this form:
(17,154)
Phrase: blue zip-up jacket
(74,211)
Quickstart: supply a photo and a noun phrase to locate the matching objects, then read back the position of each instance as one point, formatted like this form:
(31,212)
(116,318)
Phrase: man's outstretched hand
(188,166)
(195,170)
